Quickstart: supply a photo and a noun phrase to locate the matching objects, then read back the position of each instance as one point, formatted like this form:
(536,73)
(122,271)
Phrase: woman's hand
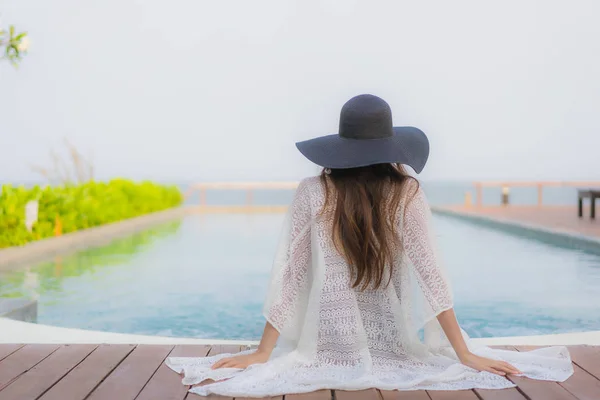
(448,322)
(258,357)
(486,364)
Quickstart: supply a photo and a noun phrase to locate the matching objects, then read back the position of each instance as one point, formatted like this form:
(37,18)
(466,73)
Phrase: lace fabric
(333,336)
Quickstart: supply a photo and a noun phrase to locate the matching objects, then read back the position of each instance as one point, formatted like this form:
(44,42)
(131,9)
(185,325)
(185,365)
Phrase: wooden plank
(224,348)
(22,360)
(7,349)
(214,350)
(40,378)
(404,395)
(484,394)
(166,384)
(318,395)
(543,390)
(130,377)
(587,357)
(78,383)
(452,395)
(500,394)
(560,218)
(496,394)
(581,384)
(369,394)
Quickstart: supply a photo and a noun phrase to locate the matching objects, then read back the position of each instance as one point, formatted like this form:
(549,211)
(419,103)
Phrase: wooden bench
(592,195)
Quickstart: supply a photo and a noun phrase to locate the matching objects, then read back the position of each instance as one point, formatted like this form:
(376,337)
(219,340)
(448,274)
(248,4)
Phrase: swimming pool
(205,276)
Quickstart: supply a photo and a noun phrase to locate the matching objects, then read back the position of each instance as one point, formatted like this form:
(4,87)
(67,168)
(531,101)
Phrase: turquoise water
(205,276)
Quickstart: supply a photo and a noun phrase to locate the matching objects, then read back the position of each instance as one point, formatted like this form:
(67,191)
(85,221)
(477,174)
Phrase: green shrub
(79,206)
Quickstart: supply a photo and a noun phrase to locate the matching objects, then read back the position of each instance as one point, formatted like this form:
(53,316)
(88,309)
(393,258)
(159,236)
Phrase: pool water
(205,276)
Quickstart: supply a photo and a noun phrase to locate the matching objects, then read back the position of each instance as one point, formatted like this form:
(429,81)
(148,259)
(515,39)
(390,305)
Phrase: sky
(195,90)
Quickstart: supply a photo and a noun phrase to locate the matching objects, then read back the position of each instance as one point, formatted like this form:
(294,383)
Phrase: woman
(358,298)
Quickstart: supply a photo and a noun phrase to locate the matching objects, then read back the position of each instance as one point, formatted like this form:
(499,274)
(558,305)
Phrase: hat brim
(408,145)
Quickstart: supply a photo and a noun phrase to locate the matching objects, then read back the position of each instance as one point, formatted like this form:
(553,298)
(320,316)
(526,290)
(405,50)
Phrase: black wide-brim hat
(367,137)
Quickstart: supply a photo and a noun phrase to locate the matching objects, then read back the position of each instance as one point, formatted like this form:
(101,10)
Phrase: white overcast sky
(221,90)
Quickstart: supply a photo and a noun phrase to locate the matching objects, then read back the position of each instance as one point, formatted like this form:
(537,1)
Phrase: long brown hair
(365,202)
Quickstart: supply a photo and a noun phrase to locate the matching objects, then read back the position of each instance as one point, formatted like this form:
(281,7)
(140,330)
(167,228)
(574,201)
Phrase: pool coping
(557,237)
(18,256)
(12,331)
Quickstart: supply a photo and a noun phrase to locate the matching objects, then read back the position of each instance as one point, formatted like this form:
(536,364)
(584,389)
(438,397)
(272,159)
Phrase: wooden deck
(127,372)
(558,218)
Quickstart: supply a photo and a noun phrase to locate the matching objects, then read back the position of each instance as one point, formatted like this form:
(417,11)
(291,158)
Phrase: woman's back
(344,321)
(353,321)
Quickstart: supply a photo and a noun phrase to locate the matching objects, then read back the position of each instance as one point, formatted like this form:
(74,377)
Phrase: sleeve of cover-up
(420,249)
(288,290)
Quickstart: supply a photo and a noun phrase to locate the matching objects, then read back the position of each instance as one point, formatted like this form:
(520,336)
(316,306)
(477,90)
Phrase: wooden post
(249,197)
(468,201)
(479,194)
(505,193)
(540,190)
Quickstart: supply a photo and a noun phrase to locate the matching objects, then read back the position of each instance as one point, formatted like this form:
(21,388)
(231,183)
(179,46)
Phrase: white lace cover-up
(333,336)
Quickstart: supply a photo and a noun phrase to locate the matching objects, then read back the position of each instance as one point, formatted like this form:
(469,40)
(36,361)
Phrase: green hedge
(79,206)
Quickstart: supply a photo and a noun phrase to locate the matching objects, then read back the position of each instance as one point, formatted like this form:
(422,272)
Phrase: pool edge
(557,237)
(29,333)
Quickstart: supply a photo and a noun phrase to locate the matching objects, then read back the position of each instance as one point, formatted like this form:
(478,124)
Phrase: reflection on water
(49,276)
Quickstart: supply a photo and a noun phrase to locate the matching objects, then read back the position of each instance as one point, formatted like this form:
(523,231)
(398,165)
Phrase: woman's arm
(449,324)
(261,355)
(268,340)
(420,249)
(447,320)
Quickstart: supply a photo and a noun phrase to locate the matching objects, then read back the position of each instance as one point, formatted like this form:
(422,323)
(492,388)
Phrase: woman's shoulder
(412,187)
(310,182)
(310,190)
(310,186)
